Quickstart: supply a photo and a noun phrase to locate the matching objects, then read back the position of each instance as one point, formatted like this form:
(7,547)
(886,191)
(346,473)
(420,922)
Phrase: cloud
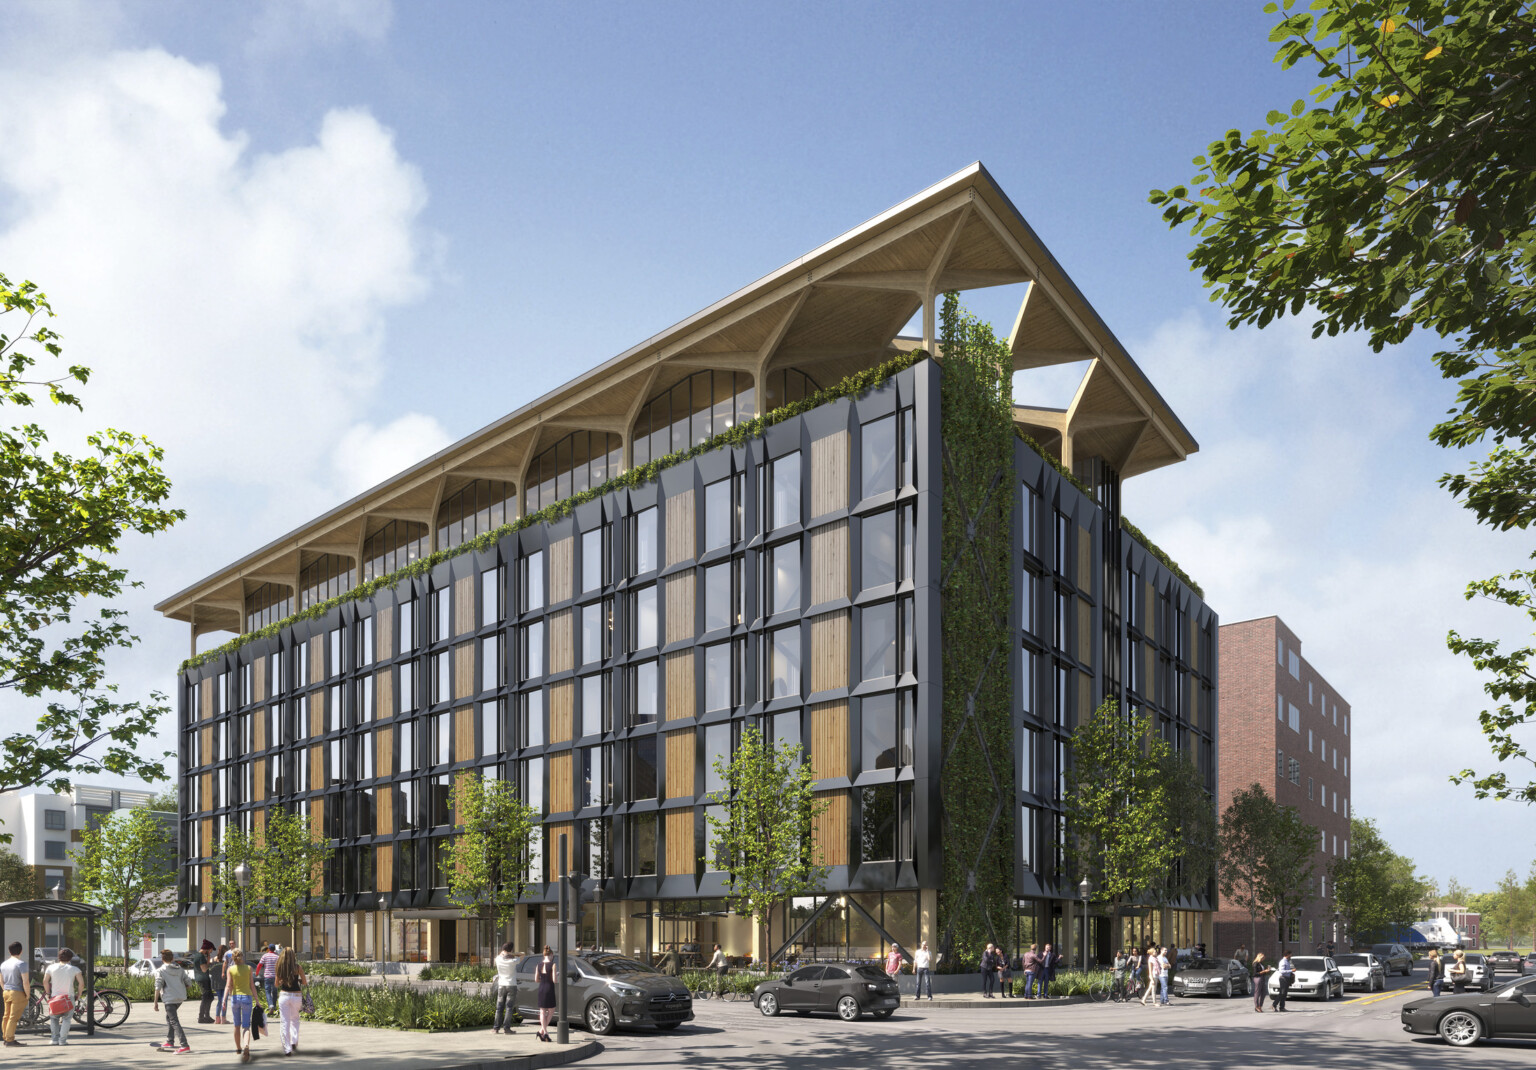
(298,25)
(367,455)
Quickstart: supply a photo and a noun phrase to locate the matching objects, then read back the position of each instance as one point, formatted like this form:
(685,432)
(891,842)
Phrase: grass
(335,969)
(397,1007)
(458,972)
(705,979)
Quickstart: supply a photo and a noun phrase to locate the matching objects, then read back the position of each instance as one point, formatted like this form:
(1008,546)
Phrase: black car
(1395,958)
(1509,1011)
(1504,960)
(844,988)
(1210,977)
(606,991)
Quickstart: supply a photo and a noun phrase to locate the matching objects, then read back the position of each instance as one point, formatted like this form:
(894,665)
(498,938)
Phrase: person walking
(1259,973)
(1031,962)
(266,971)
(1458,973)
(892,960)
(546,976)
(290,998)
(171,986)
(1164,973)
(922,969)
(991,965)
(62,986)
(1436,972)
(14,976)
(1154,971)
(506,989)
(240,991)
(1121,966)
(1049,960)
(216,967)
(199,963)
(1286,977)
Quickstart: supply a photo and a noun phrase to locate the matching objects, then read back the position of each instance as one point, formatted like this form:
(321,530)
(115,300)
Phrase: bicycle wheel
(115,1013)
(1099,989)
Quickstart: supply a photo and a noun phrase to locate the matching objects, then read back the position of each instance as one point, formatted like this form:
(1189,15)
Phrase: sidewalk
(128,1047)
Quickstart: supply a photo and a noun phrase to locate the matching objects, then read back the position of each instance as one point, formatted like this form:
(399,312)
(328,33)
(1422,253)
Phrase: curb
(993,1004)
(574,1052)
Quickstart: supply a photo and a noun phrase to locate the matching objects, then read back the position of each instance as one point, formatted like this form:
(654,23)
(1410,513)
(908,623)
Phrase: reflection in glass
(592,706)
(878,737)
(644,618)
(784,673)
(786,577)
(718,529)
(645,698)
(878,625)
(642,768)
(643,550)
(785,503)
(878,456)
(717,596)
(885,826)
(717,749)
(592,633)
(592,559)
(786,731)
(717,677)
(642,828)
(877,560)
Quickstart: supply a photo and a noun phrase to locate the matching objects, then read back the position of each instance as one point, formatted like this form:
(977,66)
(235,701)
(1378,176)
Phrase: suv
(1395,958)
(606,991)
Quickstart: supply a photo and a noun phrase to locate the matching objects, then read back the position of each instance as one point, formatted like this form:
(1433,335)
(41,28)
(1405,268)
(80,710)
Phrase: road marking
(1392,995)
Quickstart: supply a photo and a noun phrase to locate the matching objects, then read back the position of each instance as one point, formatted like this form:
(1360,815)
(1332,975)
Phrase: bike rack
(50,909)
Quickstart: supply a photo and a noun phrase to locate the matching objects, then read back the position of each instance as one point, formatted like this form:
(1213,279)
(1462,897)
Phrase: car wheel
(600,1017)
(1226,991)
(768,1005)
(1461,1028)
(848,1009)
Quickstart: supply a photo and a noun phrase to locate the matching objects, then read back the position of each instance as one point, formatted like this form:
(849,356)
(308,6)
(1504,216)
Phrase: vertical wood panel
(384,811)
(383,694)
(259,679)
(829,740)
(1149,611)
(829,474)
(384,633)
(259,828)
(314,710)
(562,712)
(207,745)
(681,857)
(317,660)
(205,695)
(316,768)
(680,685)
(464,734)
(384,868)
(561,569)
(260,785)
(680,598)
(463,605)
(829,831)
(829,651)
(207,838)
(562,641)
(681,533)
(205,792)
(830,574)
(384,760)
(1150,686)
(1086,702)
(259,731)
(680,749)
(207,888)
(1084,560)
(464,670)
(552,852)
(1084,632)
(562,793)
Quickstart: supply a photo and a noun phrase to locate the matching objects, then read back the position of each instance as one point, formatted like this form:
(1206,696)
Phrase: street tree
(1290,866)
(61,520)
(18,881)
(1267,858)
(488,855)
(1401,199)
(290,860)
(236,847)
(765,836)
(1456,893)
(1117,807)
(1190,825)
(1375,889)
(127,866)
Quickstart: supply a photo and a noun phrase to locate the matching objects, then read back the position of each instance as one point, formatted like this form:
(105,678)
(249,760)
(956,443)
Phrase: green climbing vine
(976,588)
(854,385)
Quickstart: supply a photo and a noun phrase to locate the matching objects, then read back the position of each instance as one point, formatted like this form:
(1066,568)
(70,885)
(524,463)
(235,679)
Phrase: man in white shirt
(13,978)
(922,967)
(62,979)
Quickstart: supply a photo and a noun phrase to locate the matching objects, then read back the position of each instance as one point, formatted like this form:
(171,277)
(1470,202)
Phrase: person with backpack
(171,986)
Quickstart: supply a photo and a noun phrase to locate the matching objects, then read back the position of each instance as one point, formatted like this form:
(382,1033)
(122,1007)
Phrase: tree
(1512,685)
(1117,806)
(1456,893)
(18,881)
(1403,199)
(766,838)
(1190,825)
(1374,888)
(290,863)
(166,800)
(488,855)
(1267,858)
(61,519)
(1290,865)
(235,848)
(1507,912)
(127,865)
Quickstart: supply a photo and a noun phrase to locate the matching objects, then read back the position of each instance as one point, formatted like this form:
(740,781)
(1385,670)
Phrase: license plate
(889,1002)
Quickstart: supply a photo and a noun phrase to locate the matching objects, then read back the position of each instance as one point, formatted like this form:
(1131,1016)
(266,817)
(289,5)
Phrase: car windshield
(1352,960)
(1307,963)
(872,973)
(1381,949)
(1206,964)
(614,965)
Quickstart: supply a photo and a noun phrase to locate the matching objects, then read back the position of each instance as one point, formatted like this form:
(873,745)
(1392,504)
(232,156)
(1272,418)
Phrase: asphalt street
(1360,1031)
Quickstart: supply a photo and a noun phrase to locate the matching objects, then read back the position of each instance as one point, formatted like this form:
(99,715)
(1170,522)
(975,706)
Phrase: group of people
(1036,968)
(223,974)
(1259,973)
(1154,962)
(63,987)
(1456,971)
(545,976)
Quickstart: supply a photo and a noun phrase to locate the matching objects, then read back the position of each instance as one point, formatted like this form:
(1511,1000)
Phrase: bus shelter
(53,910)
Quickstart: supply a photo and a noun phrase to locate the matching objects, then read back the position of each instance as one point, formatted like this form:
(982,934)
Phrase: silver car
(607,991)
(1362,971)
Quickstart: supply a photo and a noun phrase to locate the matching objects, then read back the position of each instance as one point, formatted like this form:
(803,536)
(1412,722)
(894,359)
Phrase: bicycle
(1100,987)
(1126,990)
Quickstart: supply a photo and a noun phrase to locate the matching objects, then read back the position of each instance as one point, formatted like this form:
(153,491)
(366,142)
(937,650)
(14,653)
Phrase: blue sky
(290,236)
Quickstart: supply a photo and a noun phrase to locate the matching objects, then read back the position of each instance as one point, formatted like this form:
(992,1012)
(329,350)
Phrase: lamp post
(384,923)
(243,879)
(1084,889)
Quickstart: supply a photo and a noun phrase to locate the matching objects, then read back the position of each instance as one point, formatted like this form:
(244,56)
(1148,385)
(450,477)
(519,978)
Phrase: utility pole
(563,1028)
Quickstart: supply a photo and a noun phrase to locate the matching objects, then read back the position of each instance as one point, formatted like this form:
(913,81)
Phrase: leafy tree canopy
(488,855)
(127,864)
(1374,887)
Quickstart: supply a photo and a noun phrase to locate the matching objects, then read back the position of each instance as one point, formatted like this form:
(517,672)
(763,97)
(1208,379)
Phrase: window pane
(878,456)
(533,650)
(592,705)
(642,768)
(877,825)
(717,748)
(786,577)
(877,559)
(645,693)
(645,541)
(879,641)
(533,581)
(490,595)
(643,840)
(490,729)
(490,662)
(645,618)
(717,515)
(786,490)
(533,783)
(786,730)
(717,677)
(592,559)
(785,671)
(533,719)
(592,633)
(717,596)
(878,732)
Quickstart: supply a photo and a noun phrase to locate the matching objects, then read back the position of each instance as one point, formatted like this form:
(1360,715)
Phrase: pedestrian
(1121,965)
(991,966)
(1005,973)
(266,972)
(216,967)
(1241,954)
(892,960)
(1046,971)
(1436,972)
(198,961)
(1154,973)
(1260,980)
(506,989)
(239,989)
(1016,970)
(62,985)
(1458,973)
(1031,963)
(290,998)
(14,976)
(922,968)
(546,976)
(1165,963)
(1286,977)
(719,967)
(171,986)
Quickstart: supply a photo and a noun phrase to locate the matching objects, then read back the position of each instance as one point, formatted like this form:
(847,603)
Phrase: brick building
(1285,727)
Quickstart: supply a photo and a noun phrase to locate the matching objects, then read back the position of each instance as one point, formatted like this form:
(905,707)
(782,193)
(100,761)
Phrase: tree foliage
(289,861)
(488,854)
(127,865)
(1191,826)
(765,837)
(18,881)
(1267,858)
(61,519)
(1509,911)
(1403,197)
(1375,889)
(1510,684)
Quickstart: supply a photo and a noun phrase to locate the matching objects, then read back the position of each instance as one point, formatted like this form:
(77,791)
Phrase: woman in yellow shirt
(237,986)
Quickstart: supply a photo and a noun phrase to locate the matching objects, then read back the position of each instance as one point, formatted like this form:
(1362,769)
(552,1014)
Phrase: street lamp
(1084,889)
(243,879)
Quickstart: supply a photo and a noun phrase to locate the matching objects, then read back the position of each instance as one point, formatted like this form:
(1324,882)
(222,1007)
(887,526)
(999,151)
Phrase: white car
(1479,976)
(1316,977)
(1362,971)
(147,967)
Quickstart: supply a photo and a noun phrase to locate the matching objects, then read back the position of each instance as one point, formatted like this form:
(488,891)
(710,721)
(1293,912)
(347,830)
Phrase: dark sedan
(843,988)
(608,991)
(1507,961)
(1509,1011)
(1210,977)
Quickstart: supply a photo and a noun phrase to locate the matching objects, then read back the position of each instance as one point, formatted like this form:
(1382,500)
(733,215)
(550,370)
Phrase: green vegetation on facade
(851,386)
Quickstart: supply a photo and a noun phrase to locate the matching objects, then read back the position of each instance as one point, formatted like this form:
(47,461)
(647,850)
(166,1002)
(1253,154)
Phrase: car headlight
(623,989)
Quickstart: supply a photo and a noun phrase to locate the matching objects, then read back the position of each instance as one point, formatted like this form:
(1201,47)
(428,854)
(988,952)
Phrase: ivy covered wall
(976,778)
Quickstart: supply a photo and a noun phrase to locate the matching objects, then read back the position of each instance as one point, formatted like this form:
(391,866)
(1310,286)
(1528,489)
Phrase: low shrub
(458,971)
(398,1007)
(335,969)
(705,980)
(107,962)
(140,989)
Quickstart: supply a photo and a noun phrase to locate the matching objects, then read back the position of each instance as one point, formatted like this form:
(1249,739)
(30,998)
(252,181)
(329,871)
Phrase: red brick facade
(1260,739)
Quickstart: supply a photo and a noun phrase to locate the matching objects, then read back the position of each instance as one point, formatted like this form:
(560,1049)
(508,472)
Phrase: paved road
(1357,1033)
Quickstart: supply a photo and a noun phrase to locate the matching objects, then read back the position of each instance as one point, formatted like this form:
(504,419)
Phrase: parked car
(1528,964)
(1395,958)
(606,991)
(1210,977)
(1316,977)
(1465,1019)
(1479,976)
(1362,971)
(848,989)
(1508,961)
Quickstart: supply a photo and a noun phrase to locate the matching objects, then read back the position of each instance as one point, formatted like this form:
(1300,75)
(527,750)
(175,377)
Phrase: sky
(304,244)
